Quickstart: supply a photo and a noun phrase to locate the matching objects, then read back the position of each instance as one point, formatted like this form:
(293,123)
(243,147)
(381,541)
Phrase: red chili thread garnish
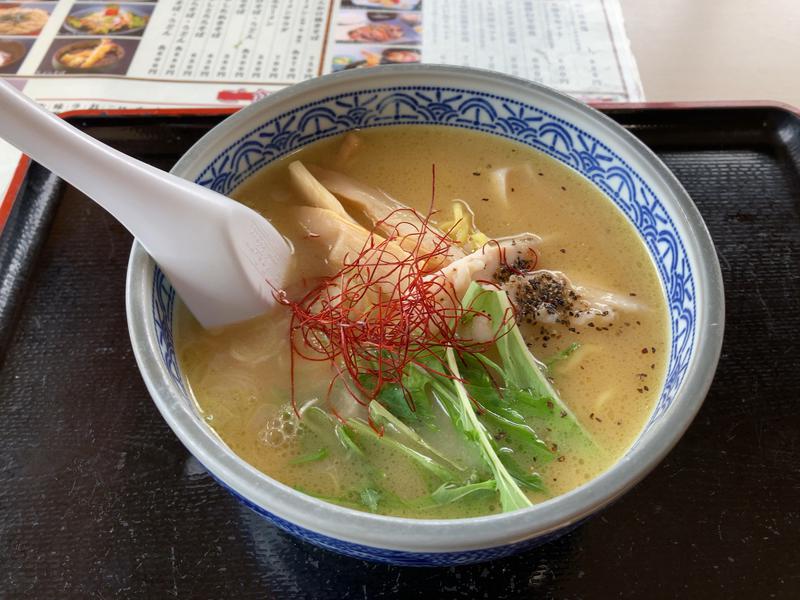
(384,310)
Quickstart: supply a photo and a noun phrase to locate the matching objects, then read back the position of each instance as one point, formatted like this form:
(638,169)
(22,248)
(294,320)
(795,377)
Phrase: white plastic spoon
(224,259)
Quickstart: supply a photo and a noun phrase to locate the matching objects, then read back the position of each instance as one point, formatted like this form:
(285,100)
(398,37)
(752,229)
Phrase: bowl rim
(444,535)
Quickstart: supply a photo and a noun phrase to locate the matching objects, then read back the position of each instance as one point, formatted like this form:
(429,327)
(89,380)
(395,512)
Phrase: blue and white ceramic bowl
(581,138)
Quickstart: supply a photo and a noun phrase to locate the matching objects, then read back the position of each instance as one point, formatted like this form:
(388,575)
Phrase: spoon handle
(141,197)
(224,259)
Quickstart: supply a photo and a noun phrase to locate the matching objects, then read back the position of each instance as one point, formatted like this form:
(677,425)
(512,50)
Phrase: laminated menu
(227,53)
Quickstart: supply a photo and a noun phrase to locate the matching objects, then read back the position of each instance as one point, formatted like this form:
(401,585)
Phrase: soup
(470,327)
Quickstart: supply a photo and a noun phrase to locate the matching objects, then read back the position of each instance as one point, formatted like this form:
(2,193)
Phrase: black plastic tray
(99,499)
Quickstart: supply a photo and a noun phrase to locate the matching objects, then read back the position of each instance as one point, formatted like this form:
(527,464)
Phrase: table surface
(706,50)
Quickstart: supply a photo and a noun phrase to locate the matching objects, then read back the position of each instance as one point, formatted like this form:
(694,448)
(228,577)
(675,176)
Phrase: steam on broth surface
(587,300)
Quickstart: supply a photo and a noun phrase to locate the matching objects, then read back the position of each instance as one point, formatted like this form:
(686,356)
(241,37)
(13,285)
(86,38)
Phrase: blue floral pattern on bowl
(480,111)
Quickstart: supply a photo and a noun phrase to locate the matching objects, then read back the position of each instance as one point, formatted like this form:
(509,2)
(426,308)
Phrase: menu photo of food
(393,4)
(378,27)
(24,18)
(107,19)
(88,56)
(350,56)
(12,53)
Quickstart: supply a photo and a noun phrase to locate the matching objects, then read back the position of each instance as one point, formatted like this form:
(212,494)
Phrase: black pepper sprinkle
(645,350)
(541,174)
(632,294)
(485,199)
(653,350)
(476,173)
(653,366)
(512,189)
(539,291)
(563,189)
(563,251)
(646,389)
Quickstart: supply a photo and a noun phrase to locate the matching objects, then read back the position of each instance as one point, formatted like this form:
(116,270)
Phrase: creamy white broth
(240,375)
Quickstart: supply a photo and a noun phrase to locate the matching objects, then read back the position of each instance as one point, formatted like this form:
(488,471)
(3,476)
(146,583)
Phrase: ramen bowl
(106,64)
(631,176)
(15,51)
